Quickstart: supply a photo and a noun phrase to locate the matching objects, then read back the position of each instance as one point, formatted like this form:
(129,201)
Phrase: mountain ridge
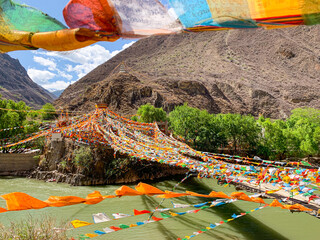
(267,72)
(15,84)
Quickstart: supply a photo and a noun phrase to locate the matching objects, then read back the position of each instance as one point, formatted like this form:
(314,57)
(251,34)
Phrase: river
(268,223)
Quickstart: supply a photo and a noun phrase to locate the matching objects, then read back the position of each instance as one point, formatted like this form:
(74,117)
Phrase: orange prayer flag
(276,203)
(297,207)
(21,201)
(94,198)
(218,195)
(241,196)
(126,191)
(169,194)
(148,189)
(3,210)
(55,201)
(197,194)
(258,200)
(95,194)
(91,235)
(109,196)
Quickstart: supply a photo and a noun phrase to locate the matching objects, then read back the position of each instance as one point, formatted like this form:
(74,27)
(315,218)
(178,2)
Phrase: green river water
(268,223)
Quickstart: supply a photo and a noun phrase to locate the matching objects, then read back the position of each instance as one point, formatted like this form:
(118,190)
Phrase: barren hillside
(241,71)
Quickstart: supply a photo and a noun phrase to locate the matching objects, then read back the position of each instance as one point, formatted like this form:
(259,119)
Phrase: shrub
(83,158)
(34,229)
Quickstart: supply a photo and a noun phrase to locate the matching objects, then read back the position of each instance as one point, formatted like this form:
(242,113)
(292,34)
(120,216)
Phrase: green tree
(242,131)
(135,118)
(273,142)
(48,112)
(185,121)
(198,127)
(211,135)
(13,115)
(148,114)
(297,136)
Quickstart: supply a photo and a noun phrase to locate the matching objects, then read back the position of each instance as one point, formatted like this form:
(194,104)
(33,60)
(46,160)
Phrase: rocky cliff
(254,72)
(102,166)
(15,84)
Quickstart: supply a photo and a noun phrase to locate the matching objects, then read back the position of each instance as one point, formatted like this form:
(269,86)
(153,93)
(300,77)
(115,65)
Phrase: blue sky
(55,71)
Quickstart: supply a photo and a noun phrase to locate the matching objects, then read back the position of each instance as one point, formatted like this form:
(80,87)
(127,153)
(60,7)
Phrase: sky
(56,70)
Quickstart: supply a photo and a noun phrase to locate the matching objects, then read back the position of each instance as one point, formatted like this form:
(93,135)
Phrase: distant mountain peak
(57,93)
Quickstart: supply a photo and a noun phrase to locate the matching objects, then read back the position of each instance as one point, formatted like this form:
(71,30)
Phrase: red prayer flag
(156,219)
(137,212)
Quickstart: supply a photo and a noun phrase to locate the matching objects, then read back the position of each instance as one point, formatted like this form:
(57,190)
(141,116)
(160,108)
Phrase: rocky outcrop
(102,166)
(15,84)
(124,93)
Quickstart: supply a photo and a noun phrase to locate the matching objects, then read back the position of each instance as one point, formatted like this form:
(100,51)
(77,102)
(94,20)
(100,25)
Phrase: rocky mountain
(267,72)
(15,84)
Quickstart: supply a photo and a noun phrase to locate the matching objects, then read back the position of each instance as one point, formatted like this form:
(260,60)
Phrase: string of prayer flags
(213,226)
(202,206)
(21,201)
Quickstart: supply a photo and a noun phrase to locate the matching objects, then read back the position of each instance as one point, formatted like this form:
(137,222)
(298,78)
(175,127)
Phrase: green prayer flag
(204,207)
(305,163)
(24,18)
(83,237)
(123,226)
(165,215)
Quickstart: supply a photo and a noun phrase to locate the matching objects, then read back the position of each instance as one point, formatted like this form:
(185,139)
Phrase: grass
(46,228)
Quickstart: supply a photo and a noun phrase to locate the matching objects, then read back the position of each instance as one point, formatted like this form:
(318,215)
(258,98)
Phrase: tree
(12,116)
(211,135)
(48,112)
(148,114)
(273,142)
(185,121)
(198,127)
(242,131)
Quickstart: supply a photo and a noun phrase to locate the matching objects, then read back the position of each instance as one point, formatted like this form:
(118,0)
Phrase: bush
(31,229)
(83,158)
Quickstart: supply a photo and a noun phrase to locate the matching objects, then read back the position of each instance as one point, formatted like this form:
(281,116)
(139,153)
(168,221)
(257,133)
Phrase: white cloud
(86,59)
(65,75)
(52,66)
(45,62)
(58,85)
(40,76)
